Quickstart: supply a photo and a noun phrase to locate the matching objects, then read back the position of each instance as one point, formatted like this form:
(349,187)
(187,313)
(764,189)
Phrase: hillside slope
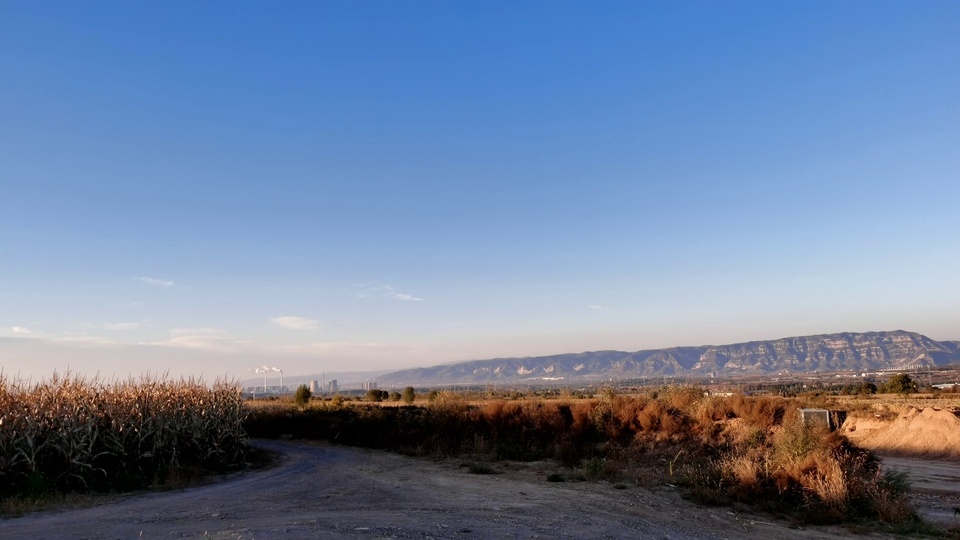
(868,351)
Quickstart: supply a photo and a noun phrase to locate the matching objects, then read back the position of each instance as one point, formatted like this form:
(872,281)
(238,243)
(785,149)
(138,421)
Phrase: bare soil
(928,432)
(934,488)
(925,444)
(323,491)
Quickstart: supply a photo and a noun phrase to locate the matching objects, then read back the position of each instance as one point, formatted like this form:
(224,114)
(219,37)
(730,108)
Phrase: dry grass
(754,450)
(744,470)
(819,474)
(70,434)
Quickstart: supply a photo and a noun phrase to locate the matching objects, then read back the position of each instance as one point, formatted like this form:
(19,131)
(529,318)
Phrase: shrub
(795,440)
(901,383)
(302,396)
(683,397)
(865,388)
(409,395)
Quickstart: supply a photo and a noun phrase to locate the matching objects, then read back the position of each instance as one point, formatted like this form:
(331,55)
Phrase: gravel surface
(323,491)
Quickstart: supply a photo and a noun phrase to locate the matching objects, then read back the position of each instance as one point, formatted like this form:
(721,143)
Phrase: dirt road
(925,444)
(934,486)
(322,491)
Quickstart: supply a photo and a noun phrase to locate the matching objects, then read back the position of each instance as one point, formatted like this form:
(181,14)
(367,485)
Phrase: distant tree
(863,389)
(409,394)
(374,395)
(901,383)
(302,396)
(395,396)
(432,395)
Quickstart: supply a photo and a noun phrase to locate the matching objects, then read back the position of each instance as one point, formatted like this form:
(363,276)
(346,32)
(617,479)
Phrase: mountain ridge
(859,351)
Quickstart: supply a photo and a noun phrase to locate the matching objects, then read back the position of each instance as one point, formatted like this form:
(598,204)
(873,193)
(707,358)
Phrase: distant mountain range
(868,351)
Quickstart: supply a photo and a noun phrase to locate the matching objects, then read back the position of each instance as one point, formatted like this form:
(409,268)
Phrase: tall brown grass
(754,450)
(71,434)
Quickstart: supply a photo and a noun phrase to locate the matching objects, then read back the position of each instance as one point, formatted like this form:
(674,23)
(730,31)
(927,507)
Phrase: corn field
(70,434)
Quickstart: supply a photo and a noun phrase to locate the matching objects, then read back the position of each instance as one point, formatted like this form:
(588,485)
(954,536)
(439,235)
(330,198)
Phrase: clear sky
(205,187)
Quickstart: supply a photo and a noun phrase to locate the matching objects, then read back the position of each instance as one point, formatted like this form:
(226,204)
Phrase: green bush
(901,383)
(409,395)
(302,395)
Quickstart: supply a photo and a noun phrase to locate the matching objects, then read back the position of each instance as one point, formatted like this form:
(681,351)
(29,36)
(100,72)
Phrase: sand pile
(928,433)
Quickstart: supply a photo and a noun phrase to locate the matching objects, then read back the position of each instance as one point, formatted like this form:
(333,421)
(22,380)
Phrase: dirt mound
(929,433)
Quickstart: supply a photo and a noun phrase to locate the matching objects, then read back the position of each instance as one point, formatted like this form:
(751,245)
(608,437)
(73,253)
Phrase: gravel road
(323,491)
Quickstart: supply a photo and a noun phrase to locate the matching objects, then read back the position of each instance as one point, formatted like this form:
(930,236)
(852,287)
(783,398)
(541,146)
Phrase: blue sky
(206,187)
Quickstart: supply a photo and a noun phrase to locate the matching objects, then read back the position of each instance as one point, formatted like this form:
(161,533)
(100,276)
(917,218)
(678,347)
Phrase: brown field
(740,453)
(73,435)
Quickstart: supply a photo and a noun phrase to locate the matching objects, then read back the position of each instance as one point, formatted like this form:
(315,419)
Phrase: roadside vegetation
(722,450)
(72,435)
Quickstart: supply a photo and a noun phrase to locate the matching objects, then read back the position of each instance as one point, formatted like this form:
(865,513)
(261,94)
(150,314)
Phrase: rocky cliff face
(868,351)
(872,350)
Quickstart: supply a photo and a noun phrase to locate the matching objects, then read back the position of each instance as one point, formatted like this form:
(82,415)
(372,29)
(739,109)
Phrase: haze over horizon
(203,188)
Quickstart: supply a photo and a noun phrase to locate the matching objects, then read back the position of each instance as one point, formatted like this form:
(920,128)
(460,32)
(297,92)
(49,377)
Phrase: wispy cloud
(387,291)
(83,338)
(165,283)
(120,326)
(203,331)
(208,339)
(598,307)
(68,337)
(342,347)
(295,323)
(19,332)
